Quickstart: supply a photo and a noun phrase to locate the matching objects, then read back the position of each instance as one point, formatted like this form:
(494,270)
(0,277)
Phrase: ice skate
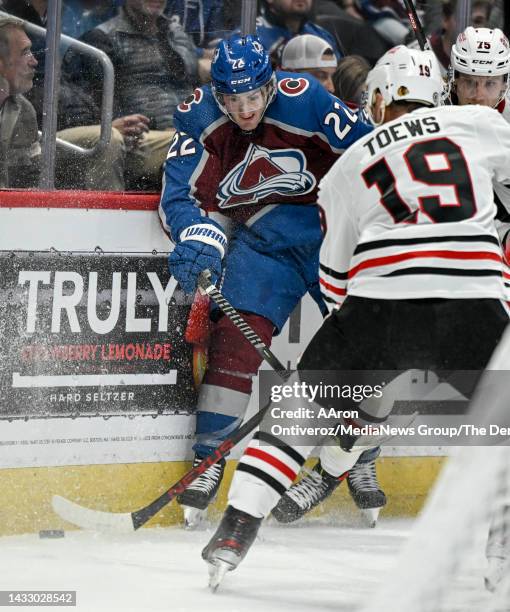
(200,493)
(365,491)
(217,573)
(304,495)
(193,517)
(229,545)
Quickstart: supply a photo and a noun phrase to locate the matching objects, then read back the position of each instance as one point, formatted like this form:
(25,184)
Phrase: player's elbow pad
(207,233)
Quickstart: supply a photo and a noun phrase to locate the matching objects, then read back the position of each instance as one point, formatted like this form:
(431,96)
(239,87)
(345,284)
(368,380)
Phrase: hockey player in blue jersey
(239,199)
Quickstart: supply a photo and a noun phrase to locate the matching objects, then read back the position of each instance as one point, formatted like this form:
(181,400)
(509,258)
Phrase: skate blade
(370,516)
(217,572)
(193,517)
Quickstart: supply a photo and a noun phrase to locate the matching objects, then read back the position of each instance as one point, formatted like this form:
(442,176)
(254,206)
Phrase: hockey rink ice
(314,565)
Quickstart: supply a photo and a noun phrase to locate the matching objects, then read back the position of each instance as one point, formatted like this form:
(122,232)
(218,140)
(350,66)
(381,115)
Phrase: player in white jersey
(480,74)
(479,69)
(410,239)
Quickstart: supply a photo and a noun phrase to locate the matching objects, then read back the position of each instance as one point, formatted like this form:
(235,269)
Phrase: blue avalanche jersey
(266,180)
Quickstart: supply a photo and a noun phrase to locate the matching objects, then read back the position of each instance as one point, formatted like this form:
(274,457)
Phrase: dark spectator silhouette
(281,20)
(20,152)
(155,66)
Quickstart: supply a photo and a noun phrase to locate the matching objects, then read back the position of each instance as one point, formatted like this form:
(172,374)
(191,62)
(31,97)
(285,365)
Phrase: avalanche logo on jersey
(264,172)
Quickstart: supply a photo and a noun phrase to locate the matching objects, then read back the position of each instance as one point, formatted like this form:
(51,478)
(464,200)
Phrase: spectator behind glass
(202,19)
(155,69)
(34,11)
(20,152)
(351,8)
(481,13)
(283,19)
(388,18)
(76,15)
(349,80)
(310,54)
(80,16)
(328,7)
(102,171)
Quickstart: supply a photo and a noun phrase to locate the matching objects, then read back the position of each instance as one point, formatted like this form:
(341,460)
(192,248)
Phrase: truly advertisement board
(96,334)
(94,368)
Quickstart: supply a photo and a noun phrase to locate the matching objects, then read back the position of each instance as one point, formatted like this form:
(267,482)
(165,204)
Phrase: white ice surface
(314,566)
(306,567)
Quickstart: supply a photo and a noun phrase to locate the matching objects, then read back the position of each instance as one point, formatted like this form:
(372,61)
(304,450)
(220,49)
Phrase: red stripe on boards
(105,200)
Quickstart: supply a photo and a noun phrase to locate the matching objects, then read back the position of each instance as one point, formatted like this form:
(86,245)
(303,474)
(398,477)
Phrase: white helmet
(407,75)
(481,52)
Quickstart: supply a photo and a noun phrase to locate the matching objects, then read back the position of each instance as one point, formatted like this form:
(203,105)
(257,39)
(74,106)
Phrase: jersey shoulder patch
(293,86)
(196,113)
(195,98)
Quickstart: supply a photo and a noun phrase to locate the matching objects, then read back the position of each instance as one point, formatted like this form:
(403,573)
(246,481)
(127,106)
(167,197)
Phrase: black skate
(365,491)
(200,493)
(304,495)
(229,545)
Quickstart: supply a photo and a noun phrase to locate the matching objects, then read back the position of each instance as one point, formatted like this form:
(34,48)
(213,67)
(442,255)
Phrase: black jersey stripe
(380,244)
(333,273)
(274,441)
(264,476)
(330,300)
(441,272)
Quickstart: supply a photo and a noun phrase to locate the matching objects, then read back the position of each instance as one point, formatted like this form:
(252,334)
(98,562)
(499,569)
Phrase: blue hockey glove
(201,247)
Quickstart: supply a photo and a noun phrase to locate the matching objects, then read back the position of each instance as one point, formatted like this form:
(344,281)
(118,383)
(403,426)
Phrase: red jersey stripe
(276,463)
(390,259)
(332,288)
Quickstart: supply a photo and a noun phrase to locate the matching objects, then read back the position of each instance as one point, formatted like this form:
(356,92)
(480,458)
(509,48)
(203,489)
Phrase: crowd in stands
(161,50)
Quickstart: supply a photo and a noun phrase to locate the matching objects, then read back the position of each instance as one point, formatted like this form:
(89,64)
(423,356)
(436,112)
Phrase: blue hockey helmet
(241,65)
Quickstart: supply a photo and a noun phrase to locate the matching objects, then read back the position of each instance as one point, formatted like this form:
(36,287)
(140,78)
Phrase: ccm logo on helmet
(240,81)
(195,98)
(293,87)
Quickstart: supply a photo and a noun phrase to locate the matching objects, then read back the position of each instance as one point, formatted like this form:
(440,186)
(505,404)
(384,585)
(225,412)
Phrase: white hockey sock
(336,461)
(266,470)
(249,494)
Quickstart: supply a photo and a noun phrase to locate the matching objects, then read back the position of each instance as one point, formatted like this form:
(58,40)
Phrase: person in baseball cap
(311,54)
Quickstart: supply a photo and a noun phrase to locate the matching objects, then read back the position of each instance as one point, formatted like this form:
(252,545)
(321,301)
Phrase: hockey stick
(415,22)
(131,521)
(209,289)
